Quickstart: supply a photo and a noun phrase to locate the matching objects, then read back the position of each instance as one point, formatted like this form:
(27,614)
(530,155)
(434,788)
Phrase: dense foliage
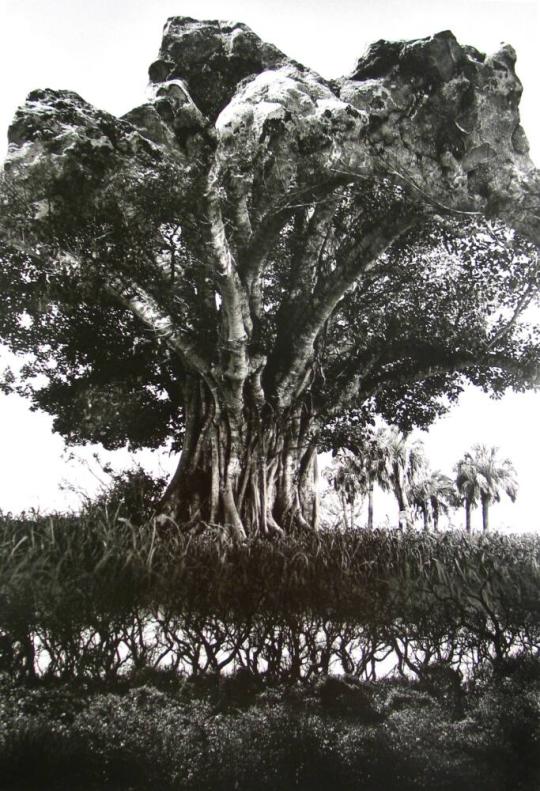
(458,293)
(240,733)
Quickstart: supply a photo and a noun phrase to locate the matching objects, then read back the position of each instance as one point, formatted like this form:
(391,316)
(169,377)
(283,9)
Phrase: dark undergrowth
(238,732)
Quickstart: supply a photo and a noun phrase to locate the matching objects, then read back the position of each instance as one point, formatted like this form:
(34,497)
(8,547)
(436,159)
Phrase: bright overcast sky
(102,49)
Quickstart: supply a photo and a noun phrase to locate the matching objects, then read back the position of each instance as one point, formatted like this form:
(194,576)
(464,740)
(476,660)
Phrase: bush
(60,737)
(133,494)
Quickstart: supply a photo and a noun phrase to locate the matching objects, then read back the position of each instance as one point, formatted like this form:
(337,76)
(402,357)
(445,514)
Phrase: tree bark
(370,506)
(401,497)
(435,511)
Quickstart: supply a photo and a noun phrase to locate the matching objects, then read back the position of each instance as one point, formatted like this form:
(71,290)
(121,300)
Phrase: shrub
(60,737)
(98,594)
(133,494)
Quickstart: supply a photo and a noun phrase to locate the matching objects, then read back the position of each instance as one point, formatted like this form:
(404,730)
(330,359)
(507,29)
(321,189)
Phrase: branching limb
(145,308)
(326,296)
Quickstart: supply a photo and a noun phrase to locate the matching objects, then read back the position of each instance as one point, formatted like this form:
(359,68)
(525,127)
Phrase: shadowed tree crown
(258,259)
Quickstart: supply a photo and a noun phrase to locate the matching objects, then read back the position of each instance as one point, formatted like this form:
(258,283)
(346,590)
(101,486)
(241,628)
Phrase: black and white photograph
(269,395)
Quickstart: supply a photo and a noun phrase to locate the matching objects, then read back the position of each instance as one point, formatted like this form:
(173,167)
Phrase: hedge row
(95,596)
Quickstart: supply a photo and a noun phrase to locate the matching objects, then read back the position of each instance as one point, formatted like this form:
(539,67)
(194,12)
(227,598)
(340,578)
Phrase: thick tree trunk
(251,474)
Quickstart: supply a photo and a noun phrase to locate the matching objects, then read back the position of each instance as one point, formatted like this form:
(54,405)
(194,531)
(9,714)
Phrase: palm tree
(402,461)
(443,496)
(467,485)
(432,493)
(378,457)
(375,453)
(480,475)
(385,457)
(495,477)
(359,468)
(350,482)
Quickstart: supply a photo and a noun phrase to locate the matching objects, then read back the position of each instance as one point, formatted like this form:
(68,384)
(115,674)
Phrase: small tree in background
(132,494)
(347,477)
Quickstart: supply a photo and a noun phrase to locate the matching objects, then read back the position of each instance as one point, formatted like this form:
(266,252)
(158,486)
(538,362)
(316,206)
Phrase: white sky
(102,49)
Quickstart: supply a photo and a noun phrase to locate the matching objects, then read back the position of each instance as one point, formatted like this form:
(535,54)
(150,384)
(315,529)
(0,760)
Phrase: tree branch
(458,364)
(146,309)
(523,303)
(236,321)
(326,296)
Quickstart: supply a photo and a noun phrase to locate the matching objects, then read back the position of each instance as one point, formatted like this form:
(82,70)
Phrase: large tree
(258,258)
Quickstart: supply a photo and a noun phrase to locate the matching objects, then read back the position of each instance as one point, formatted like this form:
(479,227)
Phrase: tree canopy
(258,259)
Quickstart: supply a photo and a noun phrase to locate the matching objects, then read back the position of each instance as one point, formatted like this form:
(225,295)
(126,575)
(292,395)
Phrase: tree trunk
(343,508)
(467,516)
(435,510)
(485,512)
(251,474)
(404,518)
(370,506)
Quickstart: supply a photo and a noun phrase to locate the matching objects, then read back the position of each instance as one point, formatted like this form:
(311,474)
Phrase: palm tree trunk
(399,493)
(485,513)
(370,506)
(343,508)
(467,515)
(435,509)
